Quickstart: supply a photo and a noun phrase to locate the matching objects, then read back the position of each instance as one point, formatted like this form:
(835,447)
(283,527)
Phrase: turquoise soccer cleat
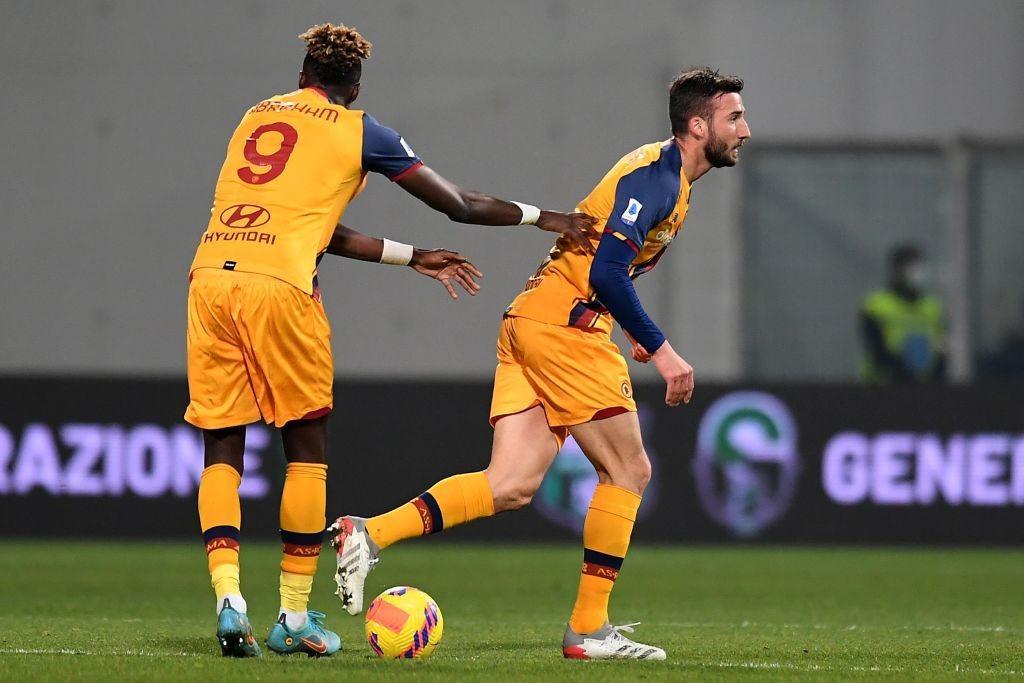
(234,633)
(312,639)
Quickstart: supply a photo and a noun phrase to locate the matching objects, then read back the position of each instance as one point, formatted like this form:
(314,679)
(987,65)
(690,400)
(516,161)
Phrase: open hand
(576,230)
(447,267)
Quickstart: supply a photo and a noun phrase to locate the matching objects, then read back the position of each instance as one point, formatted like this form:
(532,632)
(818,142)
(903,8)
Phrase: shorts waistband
(208,273)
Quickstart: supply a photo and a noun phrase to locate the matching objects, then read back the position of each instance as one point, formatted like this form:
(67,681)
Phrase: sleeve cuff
(657,345)
(406,172)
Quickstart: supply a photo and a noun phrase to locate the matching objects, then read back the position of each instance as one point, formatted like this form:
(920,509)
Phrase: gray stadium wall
(118,111)
(86,457)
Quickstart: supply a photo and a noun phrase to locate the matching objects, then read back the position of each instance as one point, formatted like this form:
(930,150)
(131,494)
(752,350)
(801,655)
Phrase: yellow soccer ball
(403,623)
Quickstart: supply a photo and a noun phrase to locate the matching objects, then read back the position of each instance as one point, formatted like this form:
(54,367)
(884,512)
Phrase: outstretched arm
(439,264)
(469,206)
(386,152)
(460,205)
(353,244)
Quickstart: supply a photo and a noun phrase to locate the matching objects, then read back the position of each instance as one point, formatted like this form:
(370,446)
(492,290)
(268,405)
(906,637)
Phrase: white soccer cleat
(357,555)
(607,643)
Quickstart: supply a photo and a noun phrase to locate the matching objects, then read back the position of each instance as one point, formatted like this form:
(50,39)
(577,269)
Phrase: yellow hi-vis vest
(911,330)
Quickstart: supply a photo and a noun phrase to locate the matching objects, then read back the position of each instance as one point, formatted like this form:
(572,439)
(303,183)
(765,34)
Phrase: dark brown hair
(692,93)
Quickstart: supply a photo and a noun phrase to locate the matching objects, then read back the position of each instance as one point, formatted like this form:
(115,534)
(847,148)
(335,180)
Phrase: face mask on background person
(916,276)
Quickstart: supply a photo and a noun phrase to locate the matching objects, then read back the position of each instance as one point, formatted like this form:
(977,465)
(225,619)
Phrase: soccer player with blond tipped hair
(259,343)
(559,373)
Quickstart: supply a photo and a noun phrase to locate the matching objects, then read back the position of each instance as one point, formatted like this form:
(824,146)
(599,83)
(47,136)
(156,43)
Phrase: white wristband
(396,253)
(530,214)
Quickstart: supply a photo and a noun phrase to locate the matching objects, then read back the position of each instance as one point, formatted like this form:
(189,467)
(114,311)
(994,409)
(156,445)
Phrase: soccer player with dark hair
(559,372)
(258,338)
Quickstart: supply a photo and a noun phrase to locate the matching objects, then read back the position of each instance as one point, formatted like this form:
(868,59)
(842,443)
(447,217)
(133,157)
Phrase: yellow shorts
(257,346)
(577,375)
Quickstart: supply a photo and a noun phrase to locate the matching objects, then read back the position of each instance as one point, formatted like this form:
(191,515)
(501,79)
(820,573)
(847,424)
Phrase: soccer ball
(403,623)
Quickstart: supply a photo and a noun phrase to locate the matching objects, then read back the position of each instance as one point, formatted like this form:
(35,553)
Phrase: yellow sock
(220,516)
(606,534)
(450,502)
(295,589)
(303,506)
(224,578)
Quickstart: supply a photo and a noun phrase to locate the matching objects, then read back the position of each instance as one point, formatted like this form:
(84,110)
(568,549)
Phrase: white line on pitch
(843,627)
(90,653)
(781,666)
(800,627)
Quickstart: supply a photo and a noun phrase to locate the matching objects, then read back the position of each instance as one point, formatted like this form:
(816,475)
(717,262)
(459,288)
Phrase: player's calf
(450,502)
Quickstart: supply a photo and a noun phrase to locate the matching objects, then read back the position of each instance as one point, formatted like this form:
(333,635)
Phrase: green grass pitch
(120,611)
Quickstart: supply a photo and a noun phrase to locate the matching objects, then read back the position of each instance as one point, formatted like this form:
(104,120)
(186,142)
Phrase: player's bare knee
(235,462)
(513,494)
(521,498)
(642,472)
(632,473)
(517,496)
(307,458)
(305,441)
(224,447)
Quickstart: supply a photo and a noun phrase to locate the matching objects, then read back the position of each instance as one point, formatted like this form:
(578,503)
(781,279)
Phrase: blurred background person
(902,325)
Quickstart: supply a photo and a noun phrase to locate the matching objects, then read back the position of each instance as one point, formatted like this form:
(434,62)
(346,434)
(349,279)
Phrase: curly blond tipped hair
(335,53)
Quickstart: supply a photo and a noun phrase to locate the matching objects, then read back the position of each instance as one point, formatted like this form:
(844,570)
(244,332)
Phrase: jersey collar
(671,148)
(319,91)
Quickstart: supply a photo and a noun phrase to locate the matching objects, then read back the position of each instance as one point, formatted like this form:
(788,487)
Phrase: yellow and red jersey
(293,165)
(642,201)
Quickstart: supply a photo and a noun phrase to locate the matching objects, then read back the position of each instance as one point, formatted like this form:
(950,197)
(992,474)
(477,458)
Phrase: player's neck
(333,97)
(695,163)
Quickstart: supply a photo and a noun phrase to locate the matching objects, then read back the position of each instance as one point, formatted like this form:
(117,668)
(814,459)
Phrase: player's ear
(355,93)
(698,127)
(302,79)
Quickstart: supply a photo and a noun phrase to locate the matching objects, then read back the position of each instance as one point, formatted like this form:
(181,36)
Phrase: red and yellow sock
(450,502)
(220,517)
(606,533)
(303,506)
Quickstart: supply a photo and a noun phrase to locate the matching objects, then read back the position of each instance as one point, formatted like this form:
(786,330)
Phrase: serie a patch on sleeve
(632,212)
